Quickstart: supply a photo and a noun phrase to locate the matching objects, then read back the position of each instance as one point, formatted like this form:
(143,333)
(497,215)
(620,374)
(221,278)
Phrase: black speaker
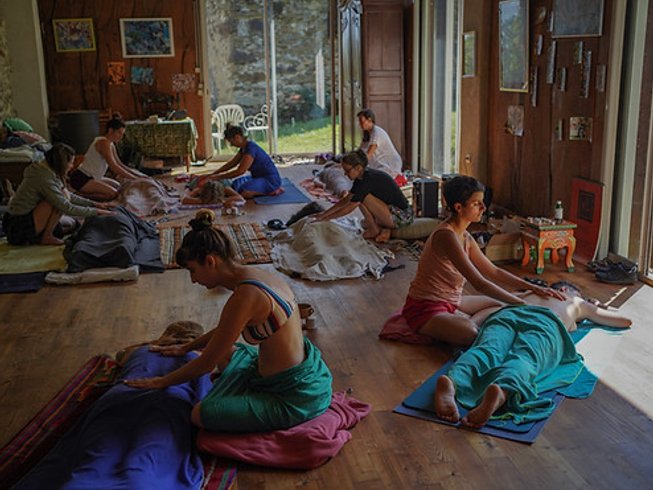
(425,198)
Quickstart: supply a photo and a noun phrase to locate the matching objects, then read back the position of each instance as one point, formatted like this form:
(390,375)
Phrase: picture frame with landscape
(513,45)
(71,35)
(147,37)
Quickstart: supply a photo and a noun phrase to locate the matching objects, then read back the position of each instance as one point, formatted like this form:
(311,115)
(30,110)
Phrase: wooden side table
(554,236)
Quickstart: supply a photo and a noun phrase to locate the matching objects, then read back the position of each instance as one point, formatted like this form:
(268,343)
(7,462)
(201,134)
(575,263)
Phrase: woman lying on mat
(264,178)
(450,257)
(214,192)
(520,352)
(42,201)
(129,438)
(379,198)
(282,383)
(89,178)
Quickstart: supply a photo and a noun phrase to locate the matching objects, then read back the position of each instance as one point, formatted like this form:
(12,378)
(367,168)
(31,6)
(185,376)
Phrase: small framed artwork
(515,122)
(142,75)
(580,129)
(513,45)
(576,18)
(116,73)
(585,211)
(147,38)
(600,78)
(562,79)
(73,35)
(469,54)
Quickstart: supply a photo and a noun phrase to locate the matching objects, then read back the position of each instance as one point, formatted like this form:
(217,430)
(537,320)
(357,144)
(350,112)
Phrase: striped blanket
(43,432)
(252,245)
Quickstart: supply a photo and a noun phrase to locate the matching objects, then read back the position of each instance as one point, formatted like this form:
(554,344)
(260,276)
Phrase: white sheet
(324,251)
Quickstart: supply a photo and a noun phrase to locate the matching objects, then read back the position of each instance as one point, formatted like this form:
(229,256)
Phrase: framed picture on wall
(513,45)
(73,35)
(147,38)
(469,54)
(575,18)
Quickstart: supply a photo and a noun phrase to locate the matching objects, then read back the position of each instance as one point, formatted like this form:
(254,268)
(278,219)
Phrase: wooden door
(383,66)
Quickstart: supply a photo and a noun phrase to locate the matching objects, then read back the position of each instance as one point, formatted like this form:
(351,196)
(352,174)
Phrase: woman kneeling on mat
(376,194)
(450,257)
(42,201)
(264,178)
(282,383)
(89,179)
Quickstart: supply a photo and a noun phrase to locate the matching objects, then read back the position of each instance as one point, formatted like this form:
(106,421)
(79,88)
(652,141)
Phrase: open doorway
(275,61)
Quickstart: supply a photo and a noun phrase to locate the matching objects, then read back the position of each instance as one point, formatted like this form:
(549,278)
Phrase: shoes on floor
(618,273)
(600,265)
(537,281)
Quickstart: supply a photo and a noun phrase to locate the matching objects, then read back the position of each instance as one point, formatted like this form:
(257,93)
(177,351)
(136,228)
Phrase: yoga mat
(22,283)
(421,404)
(252,244)
(291,195)
(30,258)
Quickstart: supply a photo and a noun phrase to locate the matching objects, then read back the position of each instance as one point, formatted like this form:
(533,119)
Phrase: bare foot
(50,240)
(445,400)
(383,236)
(493,399)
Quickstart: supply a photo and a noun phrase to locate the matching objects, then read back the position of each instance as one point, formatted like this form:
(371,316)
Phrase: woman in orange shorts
(450,258)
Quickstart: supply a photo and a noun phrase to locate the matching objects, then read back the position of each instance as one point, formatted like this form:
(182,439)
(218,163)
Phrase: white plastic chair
(258,122)
(228,113)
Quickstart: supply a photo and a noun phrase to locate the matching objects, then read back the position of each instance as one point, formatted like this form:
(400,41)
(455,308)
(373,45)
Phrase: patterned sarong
(252,246)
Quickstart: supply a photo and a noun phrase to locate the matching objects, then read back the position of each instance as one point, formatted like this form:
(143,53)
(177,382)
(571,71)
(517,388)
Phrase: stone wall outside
(236,55)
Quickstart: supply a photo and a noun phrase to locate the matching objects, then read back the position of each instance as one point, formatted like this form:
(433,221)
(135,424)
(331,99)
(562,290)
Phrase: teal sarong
(526,350)
(241,400)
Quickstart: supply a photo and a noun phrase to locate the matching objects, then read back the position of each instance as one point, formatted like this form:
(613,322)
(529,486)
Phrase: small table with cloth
(164,138)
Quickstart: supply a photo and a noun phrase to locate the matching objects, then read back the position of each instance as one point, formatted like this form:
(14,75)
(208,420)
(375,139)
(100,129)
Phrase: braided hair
(203,240)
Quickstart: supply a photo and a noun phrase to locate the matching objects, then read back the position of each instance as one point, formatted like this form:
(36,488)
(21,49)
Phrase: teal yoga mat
(420,404)
(290,195)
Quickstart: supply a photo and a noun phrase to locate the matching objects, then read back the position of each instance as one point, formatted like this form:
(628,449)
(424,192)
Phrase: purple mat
(22,283)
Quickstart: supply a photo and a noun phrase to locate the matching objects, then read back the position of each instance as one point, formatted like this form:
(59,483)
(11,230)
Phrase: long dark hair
(460,189)
(204,239)
(367,114)
(58,157)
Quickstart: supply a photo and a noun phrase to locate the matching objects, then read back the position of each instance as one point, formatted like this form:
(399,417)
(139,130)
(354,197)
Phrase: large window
(437,28)
(274,59)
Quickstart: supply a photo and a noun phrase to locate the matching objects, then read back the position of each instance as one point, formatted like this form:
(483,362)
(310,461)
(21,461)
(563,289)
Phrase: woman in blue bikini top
(279,385)
(262,308)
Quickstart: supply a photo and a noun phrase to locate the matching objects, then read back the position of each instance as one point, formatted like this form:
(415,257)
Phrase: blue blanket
(290,195)
(130,438)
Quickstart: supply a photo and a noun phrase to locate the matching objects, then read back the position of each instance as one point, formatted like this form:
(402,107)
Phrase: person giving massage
(379,198)
(451,257)
(263,178)
(516,350)
(282,383)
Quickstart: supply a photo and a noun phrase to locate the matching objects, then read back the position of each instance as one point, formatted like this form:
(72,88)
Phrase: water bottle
(559,212)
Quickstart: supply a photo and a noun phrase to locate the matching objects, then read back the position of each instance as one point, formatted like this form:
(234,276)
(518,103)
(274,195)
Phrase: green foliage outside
(312,136)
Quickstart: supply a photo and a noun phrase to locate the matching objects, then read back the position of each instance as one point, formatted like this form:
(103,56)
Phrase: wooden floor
(603,442)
